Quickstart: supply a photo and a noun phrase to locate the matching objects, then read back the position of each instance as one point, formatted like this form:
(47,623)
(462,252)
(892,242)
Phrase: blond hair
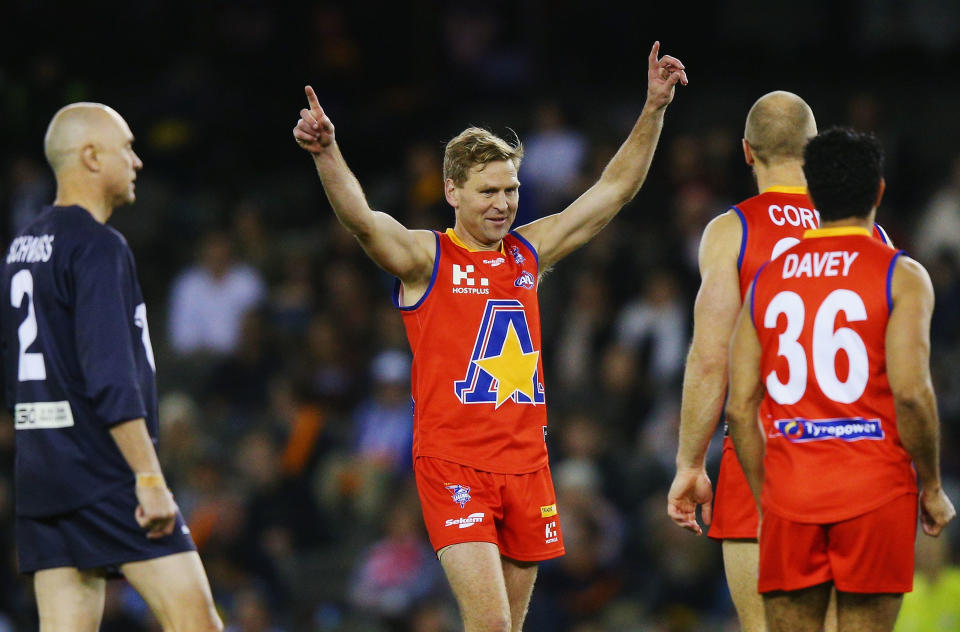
(477,146)
(778,127)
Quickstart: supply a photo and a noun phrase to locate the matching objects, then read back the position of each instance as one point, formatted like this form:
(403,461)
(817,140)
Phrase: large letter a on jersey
(504,363)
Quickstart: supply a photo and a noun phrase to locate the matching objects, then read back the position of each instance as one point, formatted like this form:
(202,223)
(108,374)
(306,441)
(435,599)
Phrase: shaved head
(778,127)
(78,125)
(90,149)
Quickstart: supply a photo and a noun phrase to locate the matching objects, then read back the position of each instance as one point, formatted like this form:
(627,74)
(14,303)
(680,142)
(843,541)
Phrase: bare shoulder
(725,226)
(720,242)
(533,231)
(425,243)
(424,238)
(910,277)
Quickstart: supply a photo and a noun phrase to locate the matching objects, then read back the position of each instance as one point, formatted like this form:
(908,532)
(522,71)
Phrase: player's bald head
(79,124)
(778,127)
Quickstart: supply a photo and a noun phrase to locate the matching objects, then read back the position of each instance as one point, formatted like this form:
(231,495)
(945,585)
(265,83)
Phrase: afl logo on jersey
(526,281)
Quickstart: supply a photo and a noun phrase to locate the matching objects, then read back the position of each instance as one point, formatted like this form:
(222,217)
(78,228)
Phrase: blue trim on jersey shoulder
(893,263)
(743,237)
(883,234)
(529,246)
(753,293)
(433,278)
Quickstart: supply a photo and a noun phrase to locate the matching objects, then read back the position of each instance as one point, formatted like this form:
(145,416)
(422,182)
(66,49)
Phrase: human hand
(156,511)
(662,76)
(690,487)
(314,130)
(936,511)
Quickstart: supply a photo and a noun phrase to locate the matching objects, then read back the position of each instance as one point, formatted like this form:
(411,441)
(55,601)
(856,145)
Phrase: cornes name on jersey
(31,249)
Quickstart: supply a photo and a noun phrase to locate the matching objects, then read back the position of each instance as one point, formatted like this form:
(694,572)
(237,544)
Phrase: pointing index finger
(311,98)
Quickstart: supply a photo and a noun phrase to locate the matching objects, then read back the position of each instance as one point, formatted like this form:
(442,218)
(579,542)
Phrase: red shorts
(872,553)
(517,512)
(734,509)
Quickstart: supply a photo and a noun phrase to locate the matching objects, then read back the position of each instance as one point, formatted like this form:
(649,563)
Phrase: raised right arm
(406,254)
(705,375)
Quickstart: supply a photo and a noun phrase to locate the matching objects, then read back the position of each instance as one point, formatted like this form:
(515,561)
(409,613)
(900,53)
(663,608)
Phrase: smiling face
(486,204)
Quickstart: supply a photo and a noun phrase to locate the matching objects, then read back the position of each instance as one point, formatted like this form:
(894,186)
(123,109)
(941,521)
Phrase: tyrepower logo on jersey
(847,429)
(550,532)
(463,523)
(547,511)
(463,283)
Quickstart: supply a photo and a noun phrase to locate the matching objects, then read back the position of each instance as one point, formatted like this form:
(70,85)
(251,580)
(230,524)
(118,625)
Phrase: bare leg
(177,591)
(476,576)
(875,612)
(830,624)
(801,610)
(69,600)
(519,578)
(741,559)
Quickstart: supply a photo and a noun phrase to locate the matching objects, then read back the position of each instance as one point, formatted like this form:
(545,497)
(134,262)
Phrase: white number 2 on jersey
(31,365)
(140,320)
(827,342)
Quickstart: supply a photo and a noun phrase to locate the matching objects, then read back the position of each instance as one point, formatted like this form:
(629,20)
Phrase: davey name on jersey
(817,264)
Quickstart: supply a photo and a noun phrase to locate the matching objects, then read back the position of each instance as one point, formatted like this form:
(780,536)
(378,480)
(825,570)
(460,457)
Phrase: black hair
(843,168)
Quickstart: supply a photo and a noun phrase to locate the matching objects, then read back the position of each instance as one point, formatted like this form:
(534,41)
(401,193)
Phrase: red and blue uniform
(771,222)
(479,400)
(833,452)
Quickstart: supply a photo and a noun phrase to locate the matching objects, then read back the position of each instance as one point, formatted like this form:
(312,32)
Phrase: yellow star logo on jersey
(512,369)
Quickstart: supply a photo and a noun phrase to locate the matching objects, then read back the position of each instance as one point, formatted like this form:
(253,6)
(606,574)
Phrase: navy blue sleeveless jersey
(76,357)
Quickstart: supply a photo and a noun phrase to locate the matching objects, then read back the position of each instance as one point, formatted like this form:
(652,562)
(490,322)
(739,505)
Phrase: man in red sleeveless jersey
(733,247)
(469,303)
(831,406)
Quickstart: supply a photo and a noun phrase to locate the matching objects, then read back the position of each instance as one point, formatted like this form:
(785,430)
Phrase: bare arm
(558,235)
(746,392)
(407,254)
(705,375)
(908,370)
(157,511)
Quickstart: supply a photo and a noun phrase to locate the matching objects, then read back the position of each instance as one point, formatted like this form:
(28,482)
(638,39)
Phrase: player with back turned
(469,303)
(91,500)
(831,406)
(734,246)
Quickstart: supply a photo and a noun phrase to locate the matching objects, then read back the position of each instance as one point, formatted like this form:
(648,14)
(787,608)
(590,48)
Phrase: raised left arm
(556,236)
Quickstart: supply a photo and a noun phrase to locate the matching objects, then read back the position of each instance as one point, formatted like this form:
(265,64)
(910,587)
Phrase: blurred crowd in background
(283,367)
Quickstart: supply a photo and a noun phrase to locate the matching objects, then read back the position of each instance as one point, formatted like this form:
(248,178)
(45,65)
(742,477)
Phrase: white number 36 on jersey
(827,342)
